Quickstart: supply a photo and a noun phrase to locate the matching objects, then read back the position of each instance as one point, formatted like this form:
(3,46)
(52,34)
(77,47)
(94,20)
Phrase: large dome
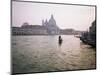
(52,21)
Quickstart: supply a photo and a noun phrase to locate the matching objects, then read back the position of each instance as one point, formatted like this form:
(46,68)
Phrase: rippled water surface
(43,54)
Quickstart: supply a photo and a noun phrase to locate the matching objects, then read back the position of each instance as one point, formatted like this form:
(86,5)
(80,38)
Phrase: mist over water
(43,54)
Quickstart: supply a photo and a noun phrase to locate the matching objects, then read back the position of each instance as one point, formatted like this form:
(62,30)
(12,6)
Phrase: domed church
(47,28)
(51,26)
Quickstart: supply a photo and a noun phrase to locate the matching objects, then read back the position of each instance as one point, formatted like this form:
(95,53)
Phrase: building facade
(51,26)
(47,27)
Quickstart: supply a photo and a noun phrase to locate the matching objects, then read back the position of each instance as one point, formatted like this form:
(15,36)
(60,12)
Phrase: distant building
(51,26)
(89,37)
(47,28)
(67,31)
(29,30)
(92,30)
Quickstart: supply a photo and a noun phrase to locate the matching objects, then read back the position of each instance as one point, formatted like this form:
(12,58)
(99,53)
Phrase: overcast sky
(66,16)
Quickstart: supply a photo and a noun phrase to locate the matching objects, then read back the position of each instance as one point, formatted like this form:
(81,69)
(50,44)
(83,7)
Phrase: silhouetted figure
(60,40)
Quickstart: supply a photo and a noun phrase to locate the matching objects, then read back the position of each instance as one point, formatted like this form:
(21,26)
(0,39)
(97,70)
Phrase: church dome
(52,21)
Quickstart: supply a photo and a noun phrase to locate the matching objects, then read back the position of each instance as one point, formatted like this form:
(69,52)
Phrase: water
(44,54)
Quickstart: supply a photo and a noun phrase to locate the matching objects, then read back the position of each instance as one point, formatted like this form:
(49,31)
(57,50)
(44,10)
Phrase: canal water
(45,54)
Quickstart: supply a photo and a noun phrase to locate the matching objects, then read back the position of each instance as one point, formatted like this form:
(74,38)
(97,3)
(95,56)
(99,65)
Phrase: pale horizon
(66,16)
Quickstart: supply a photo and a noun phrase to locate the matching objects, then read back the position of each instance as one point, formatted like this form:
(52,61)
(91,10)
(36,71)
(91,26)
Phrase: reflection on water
(43,54)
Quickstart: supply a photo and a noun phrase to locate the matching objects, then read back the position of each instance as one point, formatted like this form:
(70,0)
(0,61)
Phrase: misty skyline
(66,16)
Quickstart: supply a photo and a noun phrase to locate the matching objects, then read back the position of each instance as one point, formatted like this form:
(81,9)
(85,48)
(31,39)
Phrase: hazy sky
(66,16)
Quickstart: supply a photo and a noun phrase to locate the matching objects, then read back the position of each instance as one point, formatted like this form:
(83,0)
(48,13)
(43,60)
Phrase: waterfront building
(47,27)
